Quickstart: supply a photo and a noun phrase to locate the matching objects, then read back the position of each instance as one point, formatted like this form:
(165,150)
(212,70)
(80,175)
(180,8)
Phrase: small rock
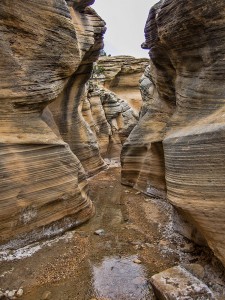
(11,294)
(137,193)
(149,245)
(163,243)
(177,282)
(1,294)
(100,232)
(19,292)
(139,247)
(137,261)
(127,192)
(188,248)
(46,295)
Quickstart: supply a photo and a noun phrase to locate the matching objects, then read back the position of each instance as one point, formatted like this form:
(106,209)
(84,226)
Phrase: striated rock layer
(67,109)
(113,120)
(142,156)
(43,187)
(114,101)
(187,51)
(121,74)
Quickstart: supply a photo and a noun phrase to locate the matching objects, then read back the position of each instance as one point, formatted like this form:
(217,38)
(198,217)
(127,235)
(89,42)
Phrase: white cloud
(125,25)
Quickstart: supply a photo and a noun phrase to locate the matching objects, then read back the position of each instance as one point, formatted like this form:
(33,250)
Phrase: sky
(125,22)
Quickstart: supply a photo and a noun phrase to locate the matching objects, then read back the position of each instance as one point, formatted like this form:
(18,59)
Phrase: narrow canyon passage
(113,256)
(112,166)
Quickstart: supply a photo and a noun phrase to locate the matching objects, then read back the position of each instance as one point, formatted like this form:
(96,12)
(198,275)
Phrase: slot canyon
(112,166)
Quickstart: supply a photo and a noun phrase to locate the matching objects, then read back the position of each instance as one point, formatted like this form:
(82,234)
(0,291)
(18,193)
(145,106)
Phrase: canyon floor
(113,256)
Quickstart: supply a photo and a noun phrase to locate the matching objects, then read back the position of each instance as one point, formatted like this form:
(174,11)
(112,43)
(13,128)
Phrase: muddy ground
(136,241)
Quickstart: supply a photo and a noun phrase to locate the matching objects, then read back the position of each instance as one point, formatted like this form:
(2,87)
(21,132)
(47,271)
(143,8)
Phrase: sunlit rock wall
(43,189)
(187,45)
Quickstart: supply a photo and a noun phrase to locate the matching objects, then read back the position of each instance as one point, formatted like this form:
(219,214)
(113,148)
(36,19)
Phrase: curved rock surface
(67,109)
(142,156)
(187,50)
(114,101)
(43,184)
(121,74)
(113,120)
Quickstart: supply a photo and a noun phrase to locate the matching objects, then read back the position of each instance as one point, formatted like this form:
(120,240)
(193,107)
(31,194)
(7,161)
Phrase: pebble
(19,292)
(100,232)
(163,243)
(137,261)
(46,295)
(149,245)
(11,294)
(188,248)
(139,247)
(137,193)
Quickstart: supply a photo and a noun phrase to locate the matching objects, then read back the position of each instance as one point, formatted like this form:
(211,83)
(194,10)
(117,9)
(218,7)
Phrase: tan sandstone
(43,188)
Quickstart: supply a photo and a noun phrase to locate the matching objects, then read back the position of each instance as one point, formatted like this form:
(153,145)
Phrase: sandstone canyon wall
(47,50)
(121,76)
(183,123)
(115,101)
(142,156)
(67,109)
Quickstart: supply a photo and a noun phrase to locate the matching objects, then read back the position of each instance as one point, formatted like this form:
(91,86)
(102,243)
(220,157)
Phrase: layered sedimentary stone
(121,74)
(43,188)
(67,109)
(187,50)
(142,156)
(94,114)
(115,101)
(113,120)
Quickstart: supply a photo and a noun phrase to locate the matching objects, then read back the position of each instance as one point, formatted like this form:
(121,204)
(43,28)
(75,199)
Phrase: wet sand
(135,241)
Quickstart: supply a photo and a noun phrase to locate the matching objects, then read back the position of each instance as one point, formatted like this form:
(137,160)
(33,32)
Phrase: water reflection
(121,278)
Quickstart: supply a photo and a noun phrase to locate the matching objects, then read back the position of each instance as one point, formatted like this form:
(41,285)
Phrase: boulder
(178,284)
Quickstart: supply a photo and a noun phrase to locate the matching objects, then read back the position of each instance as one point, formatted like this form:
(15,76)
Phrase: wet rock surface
(138,242)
